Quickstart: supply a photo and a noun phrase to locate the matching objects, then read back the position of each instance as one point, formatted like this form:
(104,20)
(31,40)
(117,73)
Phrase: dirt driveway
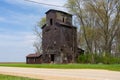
(61,74)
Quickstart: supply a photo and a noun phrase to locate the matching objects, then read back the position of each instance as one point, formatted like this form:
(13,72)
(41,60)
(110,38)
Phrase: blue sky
(17,21)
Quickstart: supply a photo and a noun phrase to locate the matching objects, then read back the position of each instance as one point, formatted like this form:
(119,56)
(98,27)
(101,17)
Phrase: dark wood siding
(59,39)
(33,60)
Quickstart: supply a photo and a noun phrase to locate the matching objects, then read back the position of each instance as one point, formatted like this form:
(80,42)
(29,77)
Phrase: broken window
(61,49)
(63,19)
(51,21)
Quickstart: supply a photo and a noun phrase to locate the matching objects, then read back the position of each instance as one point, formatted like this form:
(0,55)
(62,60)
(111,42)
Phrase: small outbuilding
(34,58)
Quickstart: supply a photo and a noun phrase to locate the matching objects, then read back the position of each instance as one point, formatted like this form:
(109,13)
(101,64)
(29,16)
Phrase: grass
(114,67)
(6,77)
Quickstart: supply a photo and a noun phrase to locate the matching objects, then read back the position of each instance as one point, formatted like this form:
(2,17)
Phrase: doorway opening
(52,57)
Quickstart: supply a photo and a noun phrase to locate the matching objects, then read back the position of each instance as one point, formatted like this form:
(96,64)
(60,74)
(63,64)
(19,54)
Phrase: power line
(44,3)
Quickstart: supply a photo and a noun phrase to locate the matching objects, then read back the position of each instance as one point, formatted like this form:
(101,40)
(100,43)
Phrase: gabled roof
(58,11)
(34,55)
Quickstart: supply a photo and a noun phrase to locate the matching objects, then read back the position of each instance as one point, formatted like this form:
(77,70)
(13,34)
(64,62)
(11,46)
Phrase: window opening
(63,19)
(51,21)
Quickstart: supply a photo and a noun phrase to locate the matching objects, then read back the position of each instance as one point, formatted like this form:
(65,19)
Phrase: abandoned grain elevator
(59,38)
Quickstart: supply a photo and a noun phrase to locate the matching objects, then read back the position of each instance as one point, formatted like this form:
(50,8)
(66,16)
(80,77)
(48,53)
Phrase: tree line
(98,23)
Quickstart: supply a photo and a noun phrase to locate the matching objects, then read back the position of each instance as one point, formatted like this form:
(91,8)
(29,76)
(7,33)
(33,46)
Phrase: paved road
(61,74)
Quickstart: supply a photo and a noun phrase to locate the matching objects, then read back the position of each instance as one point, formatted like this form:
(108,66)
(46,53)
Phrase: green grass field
(6,77)
(114,67)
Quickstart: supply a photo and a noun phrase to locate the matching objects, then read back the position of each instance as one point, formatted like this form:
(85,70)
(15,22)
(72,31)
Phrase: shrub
(97,58)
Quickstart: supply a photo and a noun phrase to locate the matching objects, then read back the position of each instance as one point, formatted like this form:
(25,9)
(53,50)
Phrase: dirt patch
(61,74)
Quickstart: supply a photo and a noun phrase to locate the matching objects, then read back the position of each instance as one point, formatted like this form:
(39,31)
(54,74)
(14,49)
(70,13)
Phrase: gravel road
(61,74)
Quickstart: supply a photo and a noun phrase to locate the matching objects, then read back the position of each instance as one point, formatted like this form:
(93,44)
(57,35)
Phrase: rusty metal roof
(34,55)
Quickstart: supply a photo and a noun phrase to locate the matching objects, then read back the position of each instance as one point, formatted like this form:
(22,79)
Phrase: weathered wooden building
(59,42)
(34,58)
(59,38)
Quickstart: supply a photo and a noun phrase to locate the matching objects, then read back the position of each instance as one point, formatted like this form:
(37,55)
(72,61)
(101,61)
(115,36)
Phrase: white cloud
(2,19)
(54,2)
(14,46)
(34,5)
(19,38)
(29,19)
(26,2)
(20,19)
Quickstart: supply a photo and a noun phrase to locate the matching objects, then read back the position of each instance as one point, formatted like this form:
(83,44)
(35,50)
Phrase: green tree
(37,30)
(99,22)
